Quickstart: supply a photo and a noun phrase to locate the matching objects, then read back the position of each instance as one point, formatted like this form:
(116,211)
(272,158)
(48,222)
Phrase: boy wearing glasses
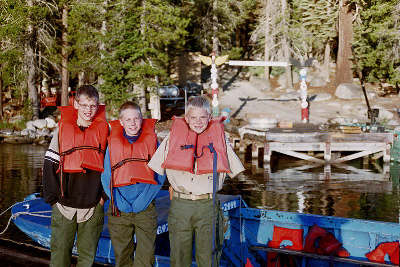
(131,144)
(186,157)
(72,179)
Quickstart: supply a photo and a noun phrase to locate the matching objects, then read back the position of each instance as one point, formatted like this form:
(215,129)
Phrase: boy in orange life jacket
(191,211)
(131,144)
(72,179)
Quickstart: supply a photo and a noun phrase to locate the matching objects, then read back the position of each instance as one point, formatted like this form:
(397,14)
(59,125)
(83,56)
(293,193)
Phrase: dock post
(327,151)
(267,153)
(386,153)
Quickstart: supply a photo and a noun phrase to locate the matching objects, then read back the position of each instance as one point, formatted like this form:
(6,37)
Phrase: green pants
(122,228)
(63,233)
(193,218)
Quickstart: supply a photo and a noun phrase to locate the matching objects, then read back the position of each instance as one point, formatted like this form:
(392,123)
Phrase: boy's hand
(170,192)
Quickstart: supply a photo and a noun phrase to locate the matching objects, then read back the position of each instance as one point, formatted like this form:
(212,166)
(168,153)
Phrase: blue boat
(252,237)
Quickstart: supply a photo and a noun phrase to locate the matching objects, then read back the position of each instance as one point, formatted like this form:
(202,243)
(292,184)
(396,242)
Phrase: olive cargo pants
(63,235)
(188,218)
(122,228)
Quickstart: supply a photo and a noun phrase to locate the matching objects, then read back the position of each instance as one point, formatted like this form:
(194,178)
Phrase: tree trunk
(81,78)
(1,93)
(266,37)
(64,58)
(31,67)
(327,57)
(215,41)
(102,46)
(285,46)
(344,73)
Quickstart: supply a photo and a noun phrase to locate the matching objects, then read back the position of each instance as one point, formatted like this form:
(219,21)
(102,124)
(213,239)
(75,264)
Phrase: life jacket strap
(122,162)
(71,150)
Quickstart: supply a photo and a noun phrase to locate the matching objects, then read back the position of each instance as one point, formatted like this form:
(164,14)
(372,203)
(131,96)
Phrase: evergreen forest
(127,47)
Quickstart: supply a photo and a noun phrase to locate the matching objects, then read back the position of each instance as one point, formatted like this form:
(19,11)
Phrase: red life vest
(185,145)
(82,149)
(390,248)
(129,161)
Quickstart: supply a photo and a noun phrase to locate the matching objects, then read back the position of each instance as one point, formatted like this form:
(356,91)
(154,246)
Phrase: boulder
(40,124)
(349,91)
(51,123)
(30,126)
(318,81)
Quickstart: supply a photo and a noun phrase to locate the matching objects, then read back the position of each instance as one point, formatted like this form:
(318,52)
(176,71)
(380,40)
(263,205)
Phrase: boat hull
(244,229)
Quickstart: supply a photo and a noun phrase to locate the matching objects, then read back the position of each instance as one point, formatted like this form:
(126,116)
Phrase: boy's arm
(158,158)
(106,174)
(51,181)
(235,164)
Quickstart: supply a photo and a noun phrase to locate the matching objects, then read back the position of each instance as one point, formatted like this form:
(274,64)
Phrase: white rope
(33,213)
(6,210)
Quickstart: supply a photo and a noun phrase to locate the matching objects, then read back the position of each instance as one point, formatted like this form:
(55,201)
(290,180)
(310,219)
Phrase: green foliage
(376,41)
(85,18)
(312,26)
(137,43)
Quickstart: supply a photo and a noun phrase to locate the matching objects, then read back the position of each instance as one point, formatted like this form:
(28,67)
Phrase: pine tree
(139,36)
(376,40)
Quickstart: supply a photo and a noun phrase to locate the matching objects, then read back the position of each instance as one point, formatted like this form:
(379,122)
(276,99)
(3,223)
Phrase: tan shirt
(189,183)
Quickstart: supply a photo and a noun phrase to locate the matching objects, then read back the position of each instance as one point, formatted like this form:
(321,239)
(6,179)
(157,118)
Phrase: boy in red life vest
(131,144)
(72,179)
(185,156)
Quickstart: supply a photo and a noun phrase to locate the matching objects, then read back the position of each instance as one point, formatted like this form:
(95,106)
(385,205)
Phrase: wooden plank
(320,257)
(357,146)
(257,63)
(299,155)
(301,146)
(355,155)
(325,137)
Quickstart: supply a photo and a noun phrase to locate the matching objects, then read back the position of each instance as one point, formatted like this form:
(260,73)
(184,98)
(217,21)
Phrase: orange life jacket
(279,235)
(390,248)
(185,145)
(129,161)
(82,149)
(320,241)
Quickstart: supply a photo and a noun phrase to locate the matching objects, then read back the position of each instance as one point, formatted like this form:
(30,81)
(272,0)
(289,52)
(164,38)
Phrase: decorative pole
(214,86)
(303,96)
(214,61)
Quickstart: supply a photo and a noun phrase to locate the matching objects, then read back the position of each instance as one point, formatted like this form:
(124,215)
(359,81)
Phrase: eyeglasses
(85,106)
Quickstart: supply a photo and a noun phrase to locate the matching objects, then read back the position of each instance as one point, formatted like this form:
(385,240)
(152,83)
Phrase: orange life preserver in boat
(185,145)
(82,149)
(390,248)
(320,241)
(129,161)
(281,234)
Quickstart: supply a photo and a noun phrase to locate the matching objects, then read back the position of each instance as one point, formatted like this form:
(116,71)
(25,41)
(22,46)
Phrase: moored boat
(253,237)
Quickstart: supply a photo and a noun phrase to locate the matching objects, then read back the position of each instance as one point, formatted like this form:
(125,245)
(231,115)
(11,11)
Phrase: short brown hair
(129,105)
(87,90)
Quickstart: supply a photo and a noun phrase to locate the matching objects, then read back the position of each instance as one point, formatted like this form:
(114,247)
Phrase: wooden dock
(319,146)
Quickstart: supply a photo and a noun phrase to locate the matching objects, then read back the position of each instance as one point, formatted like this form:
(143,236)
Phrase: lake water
(353,190)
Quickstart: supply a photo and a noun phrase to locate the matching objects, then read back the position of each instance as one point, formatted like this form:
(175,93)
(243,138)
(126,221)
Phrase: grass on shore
(19,125)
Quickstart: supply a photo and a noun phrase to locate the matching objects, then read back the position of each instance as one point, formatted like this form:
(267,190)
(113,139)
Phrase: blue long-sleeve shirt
(131,198)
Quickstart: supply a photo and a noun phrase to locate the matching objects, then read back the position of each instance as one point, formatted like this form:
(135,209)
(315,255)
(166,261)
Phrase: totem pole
(214,62)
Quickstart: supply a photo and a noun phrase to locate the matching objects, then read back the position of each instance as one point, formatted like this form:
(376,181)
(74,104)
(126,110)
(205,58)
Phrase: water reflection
(20,173)
(354,190)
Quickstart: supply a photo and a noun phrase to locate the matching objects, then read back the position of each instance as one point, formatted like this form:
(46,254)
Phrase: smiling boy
(185,157)
(134,185)
(71,179)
